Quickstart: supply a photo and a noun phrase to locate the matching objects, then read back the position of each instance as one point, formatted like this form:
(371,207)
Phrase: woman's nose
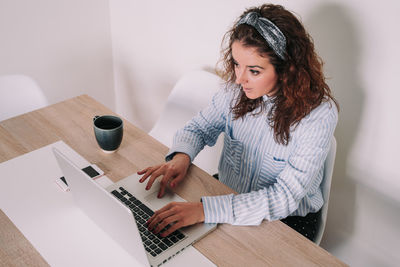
(240,77)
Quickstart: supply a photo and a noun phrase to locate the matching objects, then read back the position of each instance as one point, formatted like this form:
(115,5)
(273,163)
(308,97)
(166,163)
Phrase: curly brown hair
(301,85)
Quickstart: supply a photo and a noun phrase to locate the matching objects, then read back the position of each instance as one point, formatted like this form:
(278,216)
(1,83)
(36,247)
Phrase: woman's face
(253,72)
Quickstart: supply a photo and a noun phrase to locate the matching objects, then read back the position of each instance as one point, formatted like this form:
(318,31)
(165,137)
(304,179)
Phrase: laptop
(122,209)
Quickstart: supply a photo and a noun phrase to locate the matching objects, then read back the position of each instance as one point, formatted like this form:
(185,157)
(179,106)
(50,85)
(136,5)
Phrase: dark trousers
(307,225)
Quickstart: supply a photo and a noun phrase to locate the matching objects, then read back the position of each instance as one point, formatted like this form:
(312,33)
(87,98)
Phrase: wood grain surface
(270,244)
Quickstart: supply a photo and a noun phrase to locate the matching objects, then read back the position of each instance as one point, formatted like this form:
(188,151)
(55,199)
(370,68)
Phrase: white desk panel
(49,219)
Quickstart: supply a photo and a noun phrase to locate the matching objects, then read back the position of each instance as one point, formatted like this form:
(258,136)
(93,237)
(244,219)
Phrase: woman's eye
(235,64)
(254,72)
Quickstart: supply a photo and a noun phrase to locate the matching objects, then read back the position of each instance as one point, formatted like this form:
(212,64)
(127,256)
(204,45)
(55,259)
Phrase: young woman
(277,115)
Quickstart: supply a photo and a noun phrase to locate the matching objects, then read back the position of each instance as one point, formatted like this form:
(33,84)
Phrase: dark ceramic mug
(108,131)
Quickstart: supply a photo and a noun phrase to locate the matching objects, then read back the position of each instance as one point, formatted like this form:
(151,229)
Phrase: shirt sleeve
(311,139)
(203,129)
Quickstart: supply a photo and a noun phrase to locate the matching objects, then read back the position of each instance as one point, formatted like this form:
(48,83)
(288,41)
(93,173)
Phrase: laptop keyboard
(154,244)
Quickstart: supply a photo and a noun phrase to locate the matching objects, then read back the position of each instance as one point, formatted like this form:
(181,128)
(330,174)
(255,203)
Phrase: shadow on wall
(138,96)
(125,95)
(336,40)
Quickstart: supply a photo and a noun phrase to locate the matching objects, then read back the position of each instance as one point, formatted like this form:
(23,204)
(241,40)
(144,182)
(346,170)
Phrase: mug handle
(95,117)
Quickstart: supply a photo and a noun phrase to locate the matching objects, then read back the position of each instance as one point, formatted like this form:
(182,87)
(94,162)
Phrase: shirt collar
(268,99)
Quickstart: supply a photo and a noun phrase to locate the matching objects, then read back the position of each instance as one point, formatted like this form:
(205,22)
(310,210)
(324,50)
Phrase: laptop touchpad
(156,203)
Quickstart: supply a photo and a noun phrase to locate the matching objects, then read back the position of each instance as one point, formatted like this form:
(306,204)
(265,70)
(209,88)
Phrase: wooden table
(270,244)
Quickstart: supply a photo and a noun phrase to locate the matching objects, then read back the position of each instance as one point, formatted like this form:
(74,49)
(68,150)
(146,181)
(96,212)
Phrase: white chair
(191,93)
(326,189)
(19,94)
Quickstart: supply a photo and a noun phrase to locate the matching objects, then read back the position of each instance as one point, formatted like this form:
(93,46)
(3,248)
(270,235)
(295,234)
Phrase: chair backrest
(326,189)
(191,93)
(19,94)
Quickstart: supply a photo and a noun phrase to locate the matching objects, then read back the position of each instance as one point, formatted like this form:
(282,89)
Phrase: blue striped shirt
(273,180)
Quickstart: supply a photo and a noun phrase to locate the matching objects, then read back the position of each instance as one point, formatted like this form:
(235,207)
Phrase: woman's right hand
(172,172)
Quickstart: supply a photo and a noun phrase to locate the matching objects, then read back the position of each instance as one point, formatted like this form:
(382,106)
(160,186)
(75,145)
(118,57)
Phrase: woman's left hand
(178,215)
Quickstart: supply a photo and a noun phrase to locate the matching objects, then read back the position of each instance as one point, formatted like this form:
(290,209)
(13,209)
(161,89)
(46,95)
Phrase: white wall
(64,45)
(155,42)
(360,46)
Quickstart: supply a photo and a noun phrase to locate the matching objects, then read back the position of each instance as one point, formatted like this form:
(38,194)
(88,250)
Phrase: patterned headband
(269,31)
